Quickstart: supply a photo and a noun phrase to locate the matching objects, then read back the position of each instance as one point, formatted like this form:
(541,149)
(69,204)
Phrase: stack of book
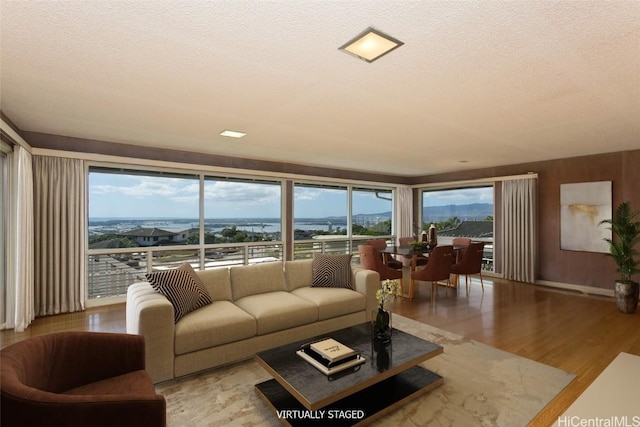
(330,356)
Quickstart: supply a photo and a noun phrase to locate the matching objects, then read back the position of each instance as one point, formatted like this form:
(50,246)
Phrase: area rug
(483,386)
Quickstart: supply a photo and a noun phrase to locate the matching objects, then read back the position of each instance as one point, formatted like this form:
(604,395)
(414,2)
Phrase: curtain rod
(480,181)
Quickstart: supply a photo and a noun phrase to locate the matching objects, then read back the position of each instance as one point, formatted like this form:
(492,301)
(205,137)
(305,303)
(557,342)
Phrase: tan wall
(555,265)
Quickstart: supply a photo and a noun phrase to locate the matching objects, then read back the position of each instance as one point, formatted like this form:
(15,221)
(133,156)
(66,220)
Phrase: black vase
(382,326)
(382,357)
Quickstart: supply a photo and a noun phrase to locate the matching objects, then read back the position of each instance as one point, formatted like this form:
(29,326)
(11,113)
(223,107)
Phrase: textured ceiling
(487,82)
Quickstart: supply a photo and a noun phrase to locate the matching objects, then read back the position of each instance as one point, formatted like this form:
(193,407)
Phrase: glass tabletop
(408,250)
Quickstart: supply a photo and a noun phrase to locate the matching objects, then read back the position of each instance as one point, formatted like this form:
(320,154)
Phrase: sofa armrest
(367,282)
(150,314)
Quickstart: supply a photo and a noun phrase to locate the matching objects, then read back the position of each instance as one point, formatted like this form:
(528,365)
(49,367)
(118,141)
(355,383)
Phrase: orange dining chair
(438,268)
(459,246)
(461,241)
(470,263)
(387,259)
(370,260)
(420,259)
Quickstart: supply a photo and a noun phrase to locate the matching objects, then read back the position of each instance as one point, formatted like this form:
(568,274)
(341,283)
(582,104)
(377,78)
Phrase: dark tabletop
(315,390)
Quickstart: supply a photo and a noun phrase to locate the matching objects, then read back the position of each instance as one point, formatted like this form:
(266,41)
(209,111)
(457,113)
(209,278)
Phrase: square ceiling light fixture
(232,133)
(370,45)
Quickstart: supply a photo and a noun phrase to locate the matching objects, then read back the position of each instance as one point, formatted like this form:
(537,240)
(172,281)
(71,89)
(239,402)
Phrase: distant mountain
(471,211)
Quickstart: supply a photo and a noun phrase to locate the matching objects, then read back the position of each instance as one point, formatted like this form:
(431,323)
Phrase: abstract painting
(582,207)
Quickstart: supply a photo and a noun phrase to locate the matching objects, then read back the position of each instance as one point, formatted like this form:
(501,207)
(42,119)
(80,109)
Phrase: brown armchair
(78,379)
(438,268)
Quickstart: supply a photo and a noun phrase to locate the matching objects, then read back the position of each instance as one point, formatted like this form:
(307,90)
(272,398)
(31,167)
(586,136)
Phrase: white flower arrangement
(388,291)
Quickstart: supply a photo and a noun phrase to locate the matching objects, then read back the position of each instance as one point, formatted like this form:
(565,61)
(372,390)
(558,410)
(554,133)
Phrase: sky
(139,196)
(462,196)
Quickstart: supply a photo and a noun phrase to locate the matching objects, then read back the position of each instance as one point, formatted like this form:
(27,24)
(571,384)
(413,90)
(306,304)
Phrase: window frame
(492,183)
(148,252)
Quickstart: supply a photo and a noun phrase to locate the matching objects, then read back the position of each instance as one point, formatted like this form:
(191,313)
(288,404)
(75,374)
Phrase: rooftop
(473,229)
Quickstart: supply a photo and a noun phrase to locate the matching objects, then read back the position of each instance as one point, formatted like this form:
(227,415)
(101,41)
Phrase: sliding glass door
(466,212)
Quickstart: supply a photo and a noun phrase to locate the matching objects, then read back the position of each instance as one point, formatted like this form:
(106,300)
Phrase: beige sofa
(254,308)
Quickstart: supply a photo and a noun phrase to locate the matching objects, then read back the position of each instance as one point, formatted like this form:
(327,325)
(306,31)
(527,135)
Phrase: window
(239,210)
(319,210)
(334,219)
(129,208)
(136,209)
(371,212)
(144,220)
(461,212)
(139,221)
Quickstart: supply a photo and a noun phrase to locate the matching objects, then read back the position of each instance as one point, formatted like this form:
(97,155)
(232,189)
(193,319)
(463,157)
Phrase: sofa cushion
(217,282)
(256,279)
(332,302)
(218,323)
(298,273)
(275,311)
(332,271)
(182,287)
(135,383)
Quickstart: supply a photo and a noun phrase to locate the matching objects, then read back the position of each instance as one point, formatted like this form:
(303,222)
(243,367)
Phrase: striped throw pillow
(331,271)
(182,287)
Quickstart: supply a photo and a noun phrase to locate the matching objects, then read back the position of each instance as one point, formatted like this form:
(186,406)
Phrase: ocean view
(99,226)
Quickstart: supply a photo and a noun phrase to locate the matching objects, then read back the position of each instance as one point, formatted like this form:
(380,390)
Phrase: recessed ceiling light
(232,133)
(370,45)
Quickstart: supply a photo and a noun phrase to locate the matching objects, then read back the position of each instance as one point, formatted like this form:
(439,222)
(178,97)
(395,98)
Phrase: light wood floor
(577,333)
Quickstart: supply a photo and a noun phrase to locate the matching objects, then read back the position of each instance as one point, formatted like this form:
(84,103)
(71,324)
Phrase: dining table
(414,250)
(409,251)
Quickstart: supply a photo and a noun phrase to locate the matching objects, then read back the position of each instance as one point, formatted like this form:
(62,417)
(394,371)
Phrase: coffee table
(300,395)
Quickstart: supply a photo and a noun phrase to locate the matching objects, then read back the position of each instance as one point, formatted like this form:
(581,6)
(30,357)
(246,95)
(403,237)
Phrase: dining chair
(470,263)
(420,260)
(461,241)
(459,246)
(438,268)
(370,260)
(387,259)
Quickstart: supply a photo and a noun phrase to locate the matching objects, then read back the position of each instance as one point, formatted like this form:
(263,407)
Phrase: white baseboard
(589,290)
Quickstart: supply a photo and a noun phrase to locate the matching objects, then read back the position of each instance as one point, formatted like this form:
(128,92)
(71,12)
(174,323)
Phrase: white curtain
(519,229)
(19,300)
(59,208)
(404,211)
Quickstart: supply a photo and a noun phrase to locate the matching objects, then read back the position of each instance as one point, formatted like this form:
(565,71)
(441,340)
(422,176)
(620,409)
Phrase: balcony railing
(111,271)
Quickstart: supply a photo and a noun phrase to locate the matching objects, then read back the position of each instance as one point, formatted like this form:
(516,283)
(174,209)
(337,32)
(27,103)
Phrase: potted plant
(622,248)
